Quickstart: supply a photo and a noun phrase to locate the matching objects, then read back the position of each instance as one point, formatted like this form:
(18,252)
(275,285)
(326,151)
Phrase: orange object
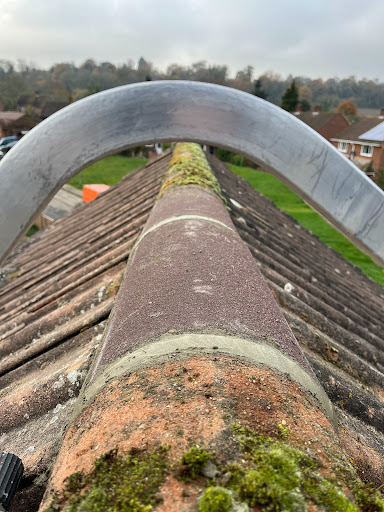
(90,192)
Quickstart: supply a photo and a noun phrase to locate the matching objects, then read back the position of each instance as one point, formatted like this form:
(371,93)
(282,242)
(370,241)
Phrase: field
(108,171)
(112,169)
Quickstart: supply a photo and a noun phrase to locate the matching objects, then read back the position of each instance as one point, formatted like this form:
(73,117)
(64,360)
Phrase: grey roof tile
(60,289)
(354,131)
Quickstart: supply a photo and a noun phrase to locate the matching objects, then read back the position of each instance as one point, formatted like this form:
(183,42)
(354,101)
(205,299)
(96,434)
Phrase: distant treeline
(65,81)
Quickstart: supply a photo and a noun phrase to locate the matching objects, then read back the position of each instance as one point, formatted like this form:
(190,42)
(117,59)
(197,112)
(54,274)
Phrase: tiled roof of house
(316,120)
(53,310)
(50,107)
(334,310)
(16,121)
(9,117)
(59,290)
(66,199)
(376,133)
(354,131)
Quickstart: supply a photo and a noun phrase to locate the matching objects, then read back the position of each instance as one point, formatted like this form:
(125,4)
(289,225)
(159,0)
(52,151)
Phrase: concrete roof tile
(61,288)
(354,131)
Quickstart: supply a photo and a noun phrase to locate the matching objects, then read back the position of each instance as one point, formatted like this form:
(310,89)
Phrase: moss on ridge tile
(278,477)
(267,473)
(128,483)
(190,167)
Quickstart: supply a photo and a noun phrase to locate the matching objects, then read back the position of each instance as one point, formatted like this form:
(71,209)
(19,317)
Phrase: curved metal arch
(137,114)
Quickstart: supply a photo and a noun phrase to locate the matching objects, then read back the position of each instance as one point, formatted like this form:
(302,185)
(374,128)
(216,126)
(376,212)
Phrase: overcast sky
(315,38)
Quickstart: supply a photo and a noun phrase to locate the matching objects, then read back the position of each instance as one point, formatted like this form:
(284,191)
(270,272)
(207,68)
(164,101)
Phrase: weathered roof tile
(60,290)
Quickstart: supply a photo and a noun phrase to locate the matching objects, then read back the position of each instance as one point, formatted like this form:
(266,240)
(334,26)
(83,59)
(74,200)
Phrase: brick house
(363,143)
(13,123)
(327,124)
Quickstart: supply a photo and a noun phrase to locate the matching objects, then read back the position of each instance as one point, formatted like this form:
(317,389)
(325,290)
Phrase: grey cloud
(327,38)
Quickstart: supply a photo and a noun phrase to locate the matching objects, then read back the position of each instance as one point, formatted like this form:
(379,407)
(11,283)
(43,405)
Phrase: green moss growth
(280,477)
(194,460)
(130,484)
(215,499)
(190,167)
(74,482)
(283,432)
(274,483)
(272,475)
(326,493)
(367,497)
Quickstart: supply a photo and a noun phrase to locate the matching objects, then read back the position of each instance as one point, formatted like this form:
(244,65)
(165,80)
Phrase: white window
(366,151)
(343,146)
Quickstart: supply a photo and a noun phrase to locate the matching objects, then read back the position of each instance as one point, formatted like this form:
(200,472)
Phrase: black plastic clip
(11,471)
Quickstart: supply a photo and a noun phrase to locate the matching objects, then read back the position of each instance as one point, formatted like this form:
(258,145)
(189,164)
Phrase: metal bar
(137,114)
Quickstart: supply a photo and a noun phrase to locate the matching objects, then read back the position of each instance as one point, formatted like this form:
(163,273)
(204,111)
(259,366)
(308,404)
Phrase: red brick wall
(377,157)
(349,148)
(380,158)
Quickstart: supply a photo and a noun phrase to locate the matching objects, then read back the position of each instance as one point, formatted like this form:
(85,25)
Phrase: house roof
(49,332)
(376,133)
(25,99)
(9,117)
(60,287)
(334,310)
(316,120)
(66,199)
(50,107)
(356,130)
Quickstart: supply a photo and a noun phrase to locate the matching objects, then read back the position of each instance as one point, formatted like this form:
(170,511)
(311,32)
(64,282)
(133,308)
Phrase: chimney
(317,110)
(298,109)
(382,112)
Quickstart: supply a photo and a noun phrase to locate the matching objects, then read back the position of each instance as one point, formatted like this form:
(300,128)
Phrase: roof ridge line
(195,340)
(184,213)
(178,218)
(176,347)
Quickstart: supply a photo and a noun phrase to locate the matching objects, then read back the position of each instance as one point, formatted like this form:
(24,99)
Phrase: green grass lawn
(292,204)
(108,171)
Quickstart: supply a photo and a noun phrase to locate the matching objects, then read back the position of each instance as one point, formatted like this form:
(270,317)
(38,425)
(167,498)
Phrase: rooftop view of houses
(192,256)
(360,138)
(176,342)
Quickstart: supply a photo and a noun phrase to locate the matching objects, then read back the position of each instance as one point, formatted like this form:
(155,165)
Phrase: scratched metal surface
(127,116)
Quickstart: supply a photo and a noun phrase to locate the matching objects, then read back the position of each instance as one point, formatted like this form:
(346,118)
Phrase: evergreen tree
(258,90)
(290,98)
(305,105)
